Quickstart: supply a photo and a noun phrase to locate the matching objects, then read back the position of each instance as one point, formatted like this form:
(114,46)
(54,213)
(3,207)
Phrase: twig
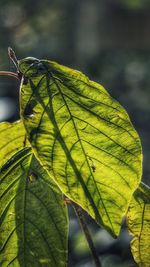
(13,58)
(9,73)
(80,215)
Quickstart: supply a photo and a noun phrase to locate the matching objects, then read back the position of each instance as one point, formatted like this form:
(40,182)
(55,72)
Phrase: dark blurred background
(109,40)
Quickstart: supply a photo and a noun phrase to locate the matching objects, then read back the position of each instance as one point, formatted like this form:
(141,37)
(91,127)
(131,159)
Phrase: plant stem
(80,215)
(9,73)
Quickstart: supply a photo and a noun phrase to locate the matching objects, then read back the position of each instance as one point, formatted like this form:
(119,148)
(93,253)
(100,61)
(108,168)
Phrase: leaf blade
(138,221)
(13,138)
(33,217)
(83,138)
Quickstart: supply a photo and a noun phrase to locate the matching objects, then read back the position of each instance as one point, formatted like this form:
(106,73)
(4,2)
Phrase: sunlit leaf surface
(139,225)
(83,137)
(33,219)
(12,139)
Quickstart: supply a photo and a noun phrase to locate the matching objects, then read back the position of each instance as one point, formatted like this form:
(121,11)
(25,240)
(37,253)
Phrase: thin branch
(80,215)
(10,74)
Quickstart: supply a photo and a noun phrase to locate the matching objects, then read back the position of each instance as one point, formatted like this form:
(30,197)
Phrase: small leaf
(138,220)
(83,137)
(13,138)
(33,216)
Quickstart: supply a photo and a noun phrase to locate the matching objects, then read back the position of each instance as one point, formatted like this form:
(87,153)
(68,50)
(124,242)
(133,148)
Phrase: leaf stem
(9,73)
(80,215)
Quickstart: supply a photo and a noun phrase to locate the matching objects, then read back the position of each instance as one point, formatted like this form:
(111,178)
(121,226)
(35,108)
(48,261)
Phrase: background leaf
(12,136)
(139,225)
(83,138)
(33,216)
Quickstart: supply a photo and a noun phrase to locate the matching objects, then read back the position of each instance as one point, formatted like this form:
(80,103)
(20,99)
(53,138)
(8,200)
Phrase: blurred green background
(109,40)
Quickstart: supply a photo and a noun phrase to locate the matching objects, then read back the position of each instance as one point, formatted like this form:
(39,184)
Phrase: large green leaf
(139,225)
(33,218)
(12,136)
(83,137)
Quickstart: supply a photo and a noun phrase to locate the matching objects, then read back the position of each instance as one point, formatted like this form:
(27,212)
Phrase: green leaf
(83,137)
(138,220)
(12,136)
(33,216)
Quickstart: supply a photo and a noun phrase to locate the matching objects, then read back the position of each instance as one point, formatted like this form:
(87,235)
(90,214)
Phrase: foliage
(75,139)
(33,216)
(136,4)
(138,222)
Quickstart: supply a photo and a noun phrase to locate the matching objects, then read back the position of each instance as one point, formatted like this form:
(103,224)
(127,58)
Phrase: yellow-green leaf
(83,137)
(12,136)
(33,216)
(138,220)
